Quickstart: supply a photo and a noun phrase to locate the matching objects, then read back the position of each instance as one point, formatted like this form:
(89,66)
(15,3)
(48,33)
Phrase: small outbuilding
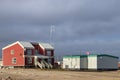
(90,62)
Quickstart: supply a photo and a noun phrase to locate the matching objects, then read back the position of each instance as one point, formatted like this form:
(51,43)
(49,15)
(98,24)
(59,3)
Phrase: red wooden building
(26,54)
(119,65)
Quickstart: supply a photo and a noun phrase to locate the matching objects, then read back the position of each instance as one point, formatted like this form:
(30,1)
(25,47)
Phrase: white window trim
(12,51)
(14,60)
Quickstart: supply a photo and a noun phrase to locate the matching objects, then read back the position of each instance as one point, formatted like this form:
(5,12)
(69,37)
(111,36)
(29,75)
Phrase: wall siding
(84,63)
(92,62)
(18,54)
(72,63)
(105,62)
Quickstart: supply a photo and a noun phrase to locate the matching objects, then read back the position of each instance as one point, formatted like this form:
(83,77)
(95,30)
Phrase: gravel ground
(37,74)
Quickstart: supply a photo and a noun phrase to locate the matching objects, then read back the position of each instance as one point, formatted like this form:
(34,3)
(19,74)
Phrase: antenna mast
(51,33)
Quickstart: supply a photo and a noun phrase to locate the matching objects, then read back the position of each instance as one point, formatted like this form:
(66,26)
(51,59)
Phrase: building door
(49,55)
(28,60)
(49,60)
(84,63)
(66,66)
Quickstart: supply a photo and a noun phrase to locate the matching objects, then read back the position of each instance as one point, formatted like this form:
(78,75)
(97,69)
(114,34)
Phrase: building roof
(43,45)
(26,44)
(23,44)
(91,55)
(101,55)
(46,45)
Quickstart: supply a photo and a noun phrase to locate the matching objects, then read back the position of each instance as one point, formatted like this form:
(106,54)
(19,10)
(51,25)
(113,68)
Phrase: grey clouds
(80,25)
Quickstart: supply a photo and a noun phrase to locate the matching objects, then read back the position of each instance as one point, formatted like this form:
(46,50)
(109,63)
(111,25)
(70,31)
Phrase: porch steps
(50,65)
(43,65)
(40,65)
(46,64)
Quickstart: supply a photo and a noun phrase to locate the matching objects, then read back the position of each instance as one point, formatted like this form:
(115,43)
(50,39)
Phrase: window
(66,66)
(29,60)
(29,51)
(48,53)
(49,61)
(36,51)
(12,51)
(14,60)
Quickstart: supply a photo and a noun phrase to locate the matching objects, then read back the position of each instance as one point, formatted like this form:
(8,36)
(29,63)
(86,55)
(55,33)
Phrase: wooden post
(35,61)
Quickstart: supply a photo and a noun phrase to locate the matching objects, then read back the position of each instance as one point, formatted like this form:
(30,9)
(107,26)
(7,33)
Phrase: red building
(119,65)
(27,54)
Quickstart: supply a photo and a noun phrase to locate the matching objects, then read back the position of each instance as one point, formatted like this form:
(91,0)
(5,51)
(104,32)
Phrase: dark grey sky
(80,25)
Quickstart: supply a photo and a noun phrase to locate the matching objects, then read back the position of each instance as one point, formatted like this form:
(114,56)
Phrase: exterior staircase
(48,65)
(39,65)
(42,64)
(51,66)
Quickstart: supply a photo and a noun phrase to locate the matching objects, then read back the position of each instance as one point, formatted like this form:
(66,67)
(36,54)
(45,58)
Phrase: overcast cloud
(80,25)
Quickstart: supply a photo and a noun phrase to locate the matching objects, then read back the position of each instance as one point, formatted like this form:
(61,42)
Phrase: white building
(94,62)
(71,62)
(75,62)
